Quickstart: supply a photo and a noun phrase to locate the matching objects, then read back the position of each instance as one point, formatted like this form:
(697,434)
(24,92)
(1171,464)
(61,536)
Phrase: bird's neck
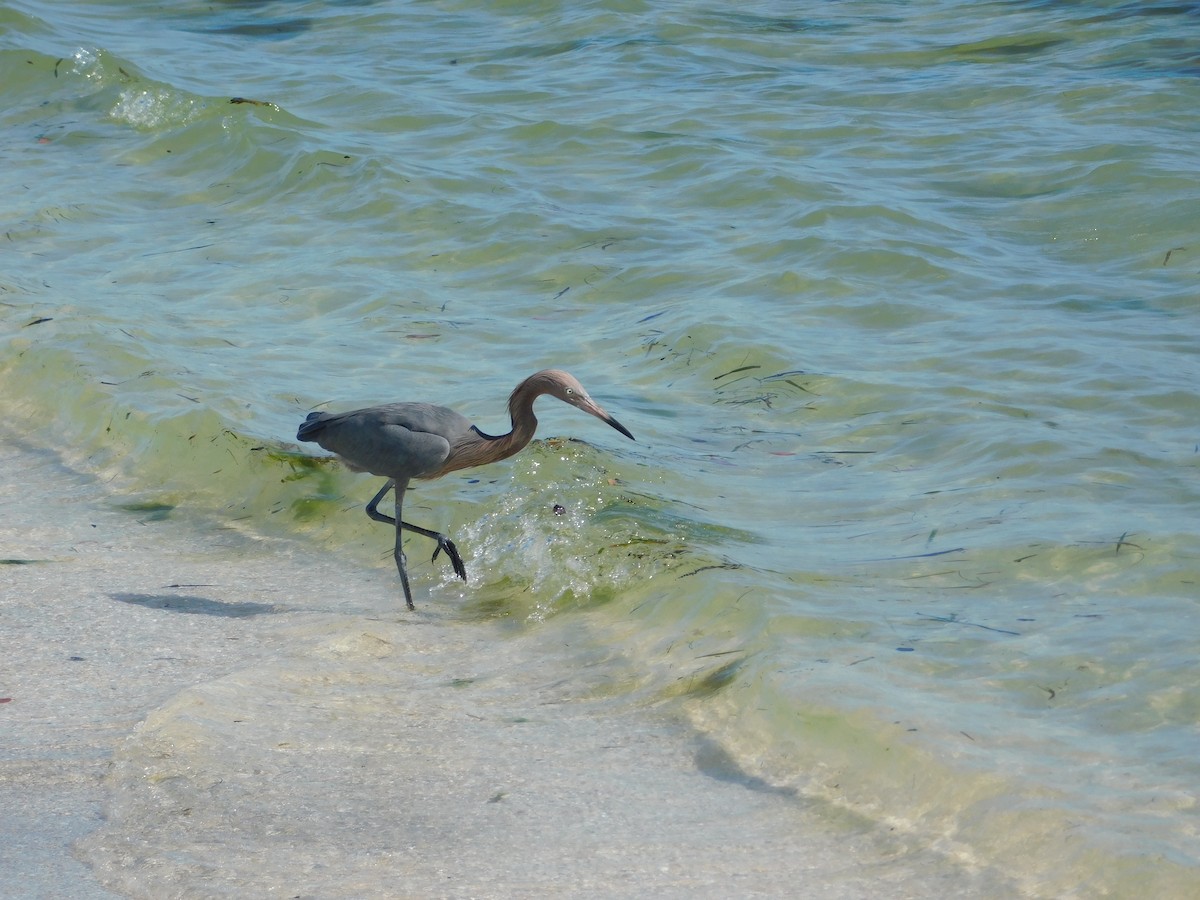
(488,448)
(524,425)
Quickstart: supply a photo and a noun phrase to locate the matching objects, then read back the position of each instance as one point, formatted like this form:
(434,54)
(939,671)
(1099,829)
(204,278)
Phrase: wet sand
(139,647)
(86,657)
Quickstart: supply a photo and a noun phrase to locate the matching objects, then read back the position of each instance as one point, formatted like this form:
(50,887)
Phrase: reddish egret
(402,441)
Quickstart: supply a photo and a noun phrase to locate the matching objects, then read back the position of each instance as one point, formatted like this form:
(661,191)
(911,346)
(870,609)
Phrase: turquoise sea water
(900,301)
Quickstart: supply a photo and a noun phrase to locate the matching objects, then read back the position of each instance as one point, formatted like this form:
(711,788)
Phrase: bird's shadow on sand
(715,761)
(198,606)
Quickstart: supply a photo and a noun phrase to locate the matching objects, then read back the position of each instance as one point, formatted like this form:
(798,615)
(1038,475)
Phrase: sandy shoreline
(519,784)
(106,614)
(83,663)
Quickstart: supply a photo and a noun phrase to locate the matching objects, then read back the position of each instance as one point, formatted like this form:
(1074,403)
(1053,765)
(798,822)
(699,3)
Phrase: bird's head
(566,387)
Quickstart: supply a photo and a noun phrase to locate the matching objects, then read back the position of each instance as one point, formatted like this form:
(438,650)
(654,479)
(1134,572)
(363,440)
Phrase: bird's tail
(310,426)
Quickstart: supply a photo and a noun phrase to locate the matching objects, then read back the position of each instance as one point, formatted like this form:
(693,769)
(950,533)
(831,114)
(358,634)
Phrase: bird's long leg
(373,506)
(398,553)
(443,542)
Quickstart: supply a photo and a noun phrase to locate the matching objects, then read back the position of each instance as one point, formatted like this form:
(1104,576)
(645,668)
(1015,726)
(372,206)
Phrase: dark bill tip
(621,428)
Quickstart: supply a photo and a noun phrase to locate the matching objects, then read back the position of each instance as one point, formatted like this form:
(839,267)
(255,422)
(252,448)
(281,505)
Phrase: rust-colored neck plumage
(477,449)
(520,409)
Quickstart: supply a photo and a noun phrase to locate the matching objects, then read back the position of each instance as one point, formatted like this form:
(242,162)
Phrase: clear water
(900,301)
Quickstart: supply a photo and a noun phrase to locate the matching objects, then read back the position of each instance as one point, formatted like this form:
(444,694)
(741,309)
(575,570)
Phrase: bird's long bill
(617,425)
(598,411)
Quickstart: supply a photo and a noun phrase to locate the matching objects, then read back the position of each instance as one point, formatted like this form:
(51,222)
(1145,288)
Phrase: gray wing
(396,440)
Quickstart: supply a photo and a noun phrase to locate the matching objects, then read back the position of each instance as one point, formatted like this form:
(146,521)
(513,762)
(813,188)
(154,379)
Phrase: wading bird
(402,441)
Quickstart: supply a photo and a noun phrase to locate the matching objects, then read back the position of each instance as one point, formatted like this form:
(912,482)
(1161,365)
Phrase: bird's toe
(455,559)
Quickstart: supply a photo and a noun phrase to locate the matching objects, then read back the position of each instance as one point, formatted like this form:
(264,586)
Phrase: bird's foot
(444,543)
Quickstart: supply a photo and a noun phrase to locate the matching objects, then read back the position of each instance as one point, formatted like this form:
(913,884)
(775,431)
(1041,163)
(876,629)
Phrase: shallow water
(899,301)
